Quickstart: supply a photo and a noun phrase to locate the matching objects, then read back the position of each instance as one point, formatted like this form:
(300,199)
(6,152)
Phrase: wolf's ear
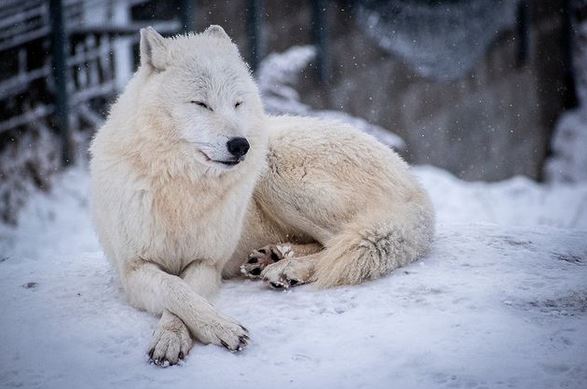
(217,31)
(153,49)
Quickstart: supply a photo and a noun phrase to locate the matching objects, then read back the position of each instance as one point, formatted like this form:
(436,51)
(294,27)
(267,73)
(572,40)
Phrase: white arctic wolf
(191,181)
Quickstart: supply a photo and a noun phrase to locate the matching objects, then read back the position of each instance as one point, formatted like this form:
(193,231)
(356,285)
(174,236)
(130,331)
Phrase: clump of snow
(569,141)
(493,305)
(26,161)
(277,78)
(569,147)
(517,201)
(441,40)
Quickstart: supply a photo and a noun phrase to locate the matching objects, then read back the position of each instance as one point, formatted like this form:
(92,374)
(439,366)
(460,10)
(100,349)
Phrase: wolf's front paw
(263,257)
(289,272)
(169,345)
(226,333)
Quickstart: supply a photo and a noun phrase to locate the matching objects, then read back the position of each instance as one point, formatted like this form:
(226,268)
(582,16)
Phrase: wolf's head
(201,95)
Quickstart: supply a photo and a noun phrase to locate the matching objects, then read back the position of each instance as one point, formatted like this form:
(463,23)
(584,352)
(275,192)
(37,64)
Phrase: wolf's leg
(259,259)
(151,288)
(203,278)
(171,341)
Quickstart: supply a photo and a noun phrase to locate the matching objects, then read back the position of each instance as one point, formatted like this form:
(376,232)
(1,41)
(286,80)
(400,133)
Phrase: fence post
(523,33)
(320,37)
(59,43)
(254,25)
(570,11)
(187,15)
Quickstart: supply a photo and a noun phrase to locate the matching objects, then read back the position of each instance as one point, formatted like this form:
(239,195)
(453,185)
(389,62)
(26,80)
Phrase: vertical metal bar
(523,26)
(254,27)
(187,15)
(320,37)
(578,49)
(59,42)
(570,98)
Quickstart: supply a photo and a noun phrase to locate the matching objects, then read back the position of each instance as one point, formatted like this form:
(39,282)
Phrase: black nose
(238,146)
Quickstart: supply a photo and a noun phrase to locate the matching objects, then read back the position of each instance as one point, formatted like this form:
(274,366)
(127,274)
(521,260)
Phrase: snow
(517,201)
(569,141)
(569,147)
(501,301)
(25,166)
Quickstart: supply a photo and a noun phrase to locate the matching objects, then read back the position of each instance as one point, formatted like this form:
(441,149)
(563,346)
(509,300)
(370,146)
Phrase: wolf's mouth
(230,162)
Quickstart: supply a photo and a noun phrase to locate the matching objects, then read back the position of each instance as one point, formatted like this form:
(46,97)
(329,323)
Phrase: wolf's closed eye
(238,104)
(202,104)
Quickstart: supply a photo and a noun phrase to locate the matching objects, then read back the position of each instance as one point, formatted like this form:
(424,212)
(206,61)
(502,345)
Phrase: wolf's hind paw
(263,257)
(288,273)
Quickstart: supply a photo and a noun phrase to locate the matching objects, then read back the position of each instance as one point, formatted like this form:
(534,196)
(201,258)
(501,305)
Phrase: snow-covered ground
(500,302)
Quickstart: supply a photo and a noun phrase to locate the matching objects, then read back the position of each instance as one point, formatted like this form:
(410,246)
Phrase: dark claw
(151,352)
(256,271)
(276,285)
(244,328)
(253,260)
(274,257)
(293,282)
(222,342)
(262,251)
(180,355)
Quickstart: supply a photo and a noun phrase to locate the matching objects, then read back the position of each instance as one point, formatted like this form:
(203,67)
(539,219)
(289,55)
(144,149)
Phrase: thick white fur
(329,183)
(172,221)
(167,216)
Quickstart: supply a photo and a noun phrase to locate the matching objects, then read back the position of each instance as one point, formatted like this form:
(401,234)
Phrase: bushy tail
(374,246)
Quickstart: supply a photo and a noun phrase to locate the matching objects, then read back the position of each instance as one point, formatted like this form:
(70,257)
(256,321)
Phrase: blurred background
(486,89)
